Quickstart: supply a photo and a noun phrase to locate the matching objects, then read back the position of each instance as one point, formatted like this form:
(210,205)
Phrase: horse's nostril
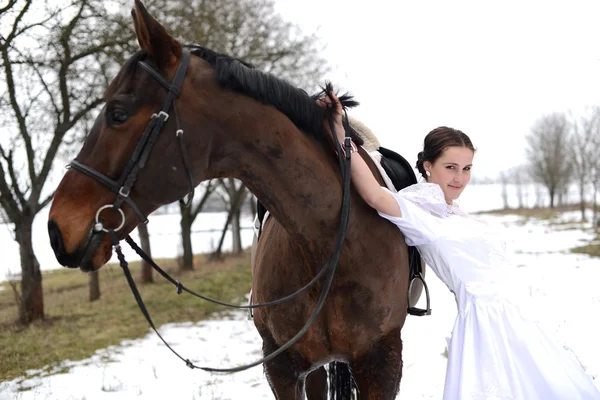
(56,240)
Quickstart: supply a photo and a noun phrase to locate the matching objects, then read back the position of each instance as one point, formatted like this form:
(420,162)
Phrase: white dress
(495,353)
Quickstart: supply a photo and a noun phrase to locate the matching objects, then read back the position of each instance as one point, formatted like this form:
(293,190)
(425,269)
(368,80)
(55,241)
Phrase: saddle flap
(398,169)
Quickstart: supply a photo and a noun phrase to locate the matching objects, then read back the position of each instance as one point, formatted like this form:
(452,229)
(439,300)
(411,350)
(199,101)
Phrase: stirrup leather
(250,315)
(415,310)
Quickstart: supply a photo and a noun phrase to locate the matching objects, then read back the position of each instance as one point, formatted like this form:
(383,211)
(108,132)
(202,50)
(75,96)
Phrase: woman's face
(452,171)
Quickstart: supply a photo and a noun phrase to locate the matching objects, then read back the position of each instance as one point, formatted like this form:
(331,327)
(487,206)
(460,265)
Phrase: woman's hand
(335,104)
(362,177)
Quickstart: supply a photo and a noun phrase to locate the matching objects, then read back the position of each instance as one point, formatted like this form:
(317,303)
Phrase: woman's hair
(439,140)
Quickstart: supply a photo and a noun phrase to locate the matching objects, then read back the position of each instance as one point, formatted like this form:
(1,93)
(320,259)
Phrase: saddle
(401,175)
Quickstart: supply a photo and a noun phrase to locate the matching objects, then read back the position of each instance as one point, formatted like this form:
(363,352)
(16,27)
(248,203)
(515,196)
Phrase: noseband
(138,160)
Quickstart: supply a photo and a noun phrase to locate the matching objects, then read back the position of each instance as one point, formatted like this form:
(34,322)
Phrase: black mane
(295,103)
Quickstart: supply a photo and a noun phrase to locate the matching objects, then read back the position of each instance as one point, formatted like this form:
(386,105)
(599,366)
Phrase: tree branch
(210,188)
(7,201)
(28,60)
(66,61)
(13,177)
(55,144)
(45,202)
(10,84)
(40,23)
(97,49)
(8,6)
(14,32)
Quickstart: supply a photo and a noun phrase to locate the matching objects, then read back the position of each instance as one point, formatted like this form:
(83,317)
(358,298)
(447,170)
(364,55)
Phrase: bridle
(123,186)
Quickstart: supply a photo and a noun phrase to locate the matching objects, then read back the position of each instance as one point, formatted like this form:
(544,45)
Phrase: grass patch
(592,249)
(75,328)
(536,212)
(552,215)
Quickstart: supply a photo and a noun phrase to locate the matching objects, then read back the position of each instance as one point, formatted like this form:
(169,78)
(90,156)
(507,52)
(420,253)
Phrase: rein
(330,268)
(123,187)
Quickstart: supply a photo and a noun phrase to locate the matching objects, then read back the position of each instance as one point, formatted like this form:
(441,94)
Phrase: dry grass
(538,212)
(75,328)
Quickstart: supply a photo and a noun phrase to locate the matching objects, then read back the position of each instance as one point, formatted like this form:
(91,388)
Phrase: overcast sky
(488,68)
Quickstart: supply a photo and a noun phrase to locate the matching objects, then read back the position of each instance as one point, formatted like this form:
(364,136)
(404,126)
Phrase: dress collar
(430,197)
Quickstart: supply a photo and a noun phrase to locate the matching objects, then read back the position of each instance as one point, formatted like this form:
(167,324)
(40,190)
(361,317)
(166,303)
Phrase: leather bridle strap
(122,187)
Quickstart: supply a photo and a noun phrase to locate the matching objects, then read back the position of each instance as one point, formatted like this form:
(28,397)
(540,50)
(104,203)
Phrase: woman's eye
(118,116)
(450,166)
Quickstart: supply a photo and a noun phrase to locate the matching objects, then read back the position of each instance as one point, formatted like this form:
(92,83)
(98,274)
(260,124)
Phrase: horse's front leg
(316,385)
(283,372)
(378,372)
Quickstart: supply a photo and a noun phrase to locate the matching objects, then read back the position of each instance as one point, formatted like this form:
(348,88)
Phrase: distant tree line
(563,151)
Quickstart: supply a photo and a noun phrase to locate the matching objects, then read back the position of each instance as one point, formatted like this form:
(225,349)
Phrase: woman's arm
(362,178)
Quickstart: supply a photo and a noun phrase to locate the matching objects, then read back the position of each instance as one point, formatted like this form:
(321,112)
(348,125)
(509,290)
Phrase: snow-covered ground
(561,291)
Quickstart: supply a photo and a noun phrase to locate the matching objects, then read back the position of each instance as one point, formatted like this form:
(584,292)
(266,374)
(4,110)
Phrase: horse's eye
(117,116)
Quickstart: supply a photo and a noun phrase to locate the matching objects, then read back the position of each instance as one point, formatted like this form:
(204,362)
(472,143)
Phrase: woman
(495,352)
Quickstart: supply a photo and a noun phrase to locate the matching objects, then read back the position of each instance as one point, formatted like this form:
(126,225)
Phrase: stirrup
(415,310)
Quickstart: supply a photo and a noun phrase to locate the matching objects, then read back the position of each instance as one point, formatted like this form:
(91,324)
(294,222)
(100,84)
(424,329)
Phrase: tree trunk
(216,255)
(595,218)
(186,239)
(236,236)
(505,195)
(582,201)
(146,272)
(236,206)
(253,206)
(94,279)
(31,307)
(551,193)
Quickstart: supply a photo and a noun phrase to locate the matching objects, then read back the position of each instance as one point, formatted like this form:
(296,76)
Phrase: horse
(237,121)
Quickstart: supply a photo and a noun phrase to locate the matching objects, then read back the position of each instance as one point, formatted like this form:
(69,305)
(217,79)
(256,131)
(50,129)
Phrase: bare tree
(548,153)
(55,63)
(94,285)
(234,194)
(146,270)
(584,130)
(188,216)
(517,178)
(504,178)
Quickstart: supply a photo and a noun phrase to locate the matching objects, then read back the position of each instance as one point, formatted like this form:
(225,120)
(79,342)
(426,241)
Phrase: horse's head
(134,140)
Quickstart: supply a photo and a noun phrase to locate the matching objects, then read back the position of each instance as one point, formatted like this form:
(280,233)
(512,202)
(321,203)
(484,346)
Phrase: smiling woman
(495,353)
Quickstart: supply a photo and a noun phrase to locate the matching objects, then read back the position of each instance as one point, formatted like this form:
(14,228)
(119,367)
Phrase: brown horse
(242,123)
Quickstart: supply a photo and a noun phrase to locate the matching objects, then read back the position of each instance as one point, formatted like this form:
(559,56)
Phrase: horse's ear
(154,38)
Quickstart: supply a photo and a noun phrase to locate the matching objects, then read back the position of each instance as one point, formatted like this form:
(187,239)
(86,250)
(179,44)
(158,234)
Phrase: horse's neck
(292,174)
(297,182)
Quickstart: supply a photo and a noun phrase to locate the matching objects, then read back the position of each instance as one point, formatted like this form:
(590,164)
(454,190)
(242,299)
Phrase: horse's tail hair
(341,382)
